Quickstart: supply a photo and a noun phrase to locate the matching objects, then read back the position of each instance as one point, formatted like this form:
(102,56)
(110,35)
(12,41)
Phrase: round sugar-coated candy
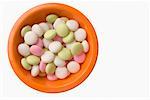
(36,50)
(59,62)
(25,65)
(44,26)
(39,43)
(65,19)
(42,66)
(76,48)
(85,46)
(79,58)
(65,54)
(51,18)
(47,57)
(51,77)
(57,22)
(61,72)
(50,34)
(80,34)
(30,38)
(35,70)
(69,45)
(42,74)
(58,38)
(50,68)
(50,25)
(72,25)
(46,42)
(73,67)
(25,30)
(69,38)
(33,60)
(24,49)
(62,30)
(55,46)
(37,30)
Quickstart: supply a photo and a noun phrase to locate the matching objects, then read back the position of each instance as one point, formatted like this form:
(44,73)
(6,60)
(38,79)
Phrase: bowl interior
(37,15)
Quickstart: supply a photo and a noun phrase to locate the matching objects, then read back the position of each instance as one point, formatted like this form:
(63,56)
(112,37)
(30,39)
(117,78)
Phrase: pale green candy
(62,30)
(50,68)
(69,38)
(76,48)
(65,54)
(33,60)
(25,65)
(50,34)
(51,18)
(25,30)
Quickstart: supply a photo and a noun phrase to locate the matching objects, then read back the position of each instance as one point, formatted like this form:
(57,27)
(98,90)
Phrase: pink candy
(39,43)
(51,77)
(57,38)
(42,66)
(36,50)
(79,58)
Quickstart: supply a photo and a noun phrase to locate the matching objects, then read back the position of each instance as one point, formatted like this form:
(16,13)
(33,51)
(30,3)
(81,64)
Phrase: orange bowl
(37,15)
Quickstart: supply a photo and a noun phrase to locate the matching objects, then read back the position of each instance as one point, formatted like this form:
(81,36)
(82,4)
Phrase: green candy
(25,30)
(50,68)
(65,54)
(76,48)
(69,38)
(25,65)
(62,30)
(51,18)
(33,60)
(50,34)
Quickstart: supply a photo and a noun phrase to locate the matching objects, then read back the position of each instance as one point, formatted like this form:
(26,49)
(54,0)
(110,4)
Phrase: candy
(36,50)
(50,68)
(55,46)
(46,42)
(50,34)
(25,65)
(51,18)
(61,72)
(42,66)
(44,26)
(65,54)
(62,30)
(80,34)
(79,58)
(57,22)
(39,43)
(33,60)
(30,38)
(37,30)
(47,57)
(69,38)
(50,25)
(65,19)
(25,30)
(51,77)
(35,71)
(69,45)
(76,48)
(58,38)
(73,67)
(23,49)
(59,62)
(85,46)
(72,25)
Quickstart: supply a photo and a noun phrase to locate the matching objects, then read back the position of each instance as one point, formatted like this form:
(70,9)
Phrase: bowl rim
(87,74)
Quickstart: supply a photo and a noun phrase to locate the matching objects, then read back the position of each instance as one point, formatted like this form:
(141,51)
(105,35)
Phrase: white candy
(68,45)
(35,71)
(46,43)
(85,46)
(61,72)
(24,49)
(50,25)
(44,26)
(57,22)
(80,34)
(55,46)
(37,30)
(59,62)
(65,19)
(47,57)
(73,67)
(30,38)
(72,25)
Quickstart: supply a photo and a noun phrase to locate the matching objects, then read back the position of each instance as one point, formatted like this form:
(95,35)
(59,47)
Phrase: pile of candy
(54,49)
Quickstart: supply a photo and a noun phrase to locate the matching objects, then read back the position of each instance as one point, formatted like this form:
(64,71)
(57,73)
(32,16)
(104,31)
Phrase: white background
(122,68)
